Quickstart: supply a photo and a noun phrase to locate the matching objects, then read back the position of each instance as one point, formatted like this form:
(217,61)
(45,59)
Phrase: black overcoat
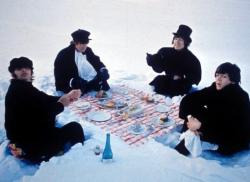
(30,116)
(183,63)
(65,67)
(224,115)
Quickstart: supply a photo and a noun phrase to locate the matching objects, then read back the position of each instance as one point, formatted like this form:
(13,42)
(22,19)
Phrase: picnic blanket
(120,126)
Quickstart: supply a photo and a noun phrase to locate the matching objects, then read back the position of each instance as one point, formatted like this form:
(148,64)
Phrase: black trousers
(97,85)
(167,86)
(60,141)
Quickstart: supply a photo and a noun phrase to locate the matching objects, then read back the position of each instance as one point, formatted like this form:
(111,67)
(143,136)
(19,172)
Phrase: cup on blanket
(168,101)
(137,126)
(122,115)
(97,150)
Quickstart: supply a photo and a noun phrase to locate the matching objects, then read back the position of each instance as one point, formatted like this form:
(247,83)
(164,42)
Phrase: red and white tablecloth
(118,126)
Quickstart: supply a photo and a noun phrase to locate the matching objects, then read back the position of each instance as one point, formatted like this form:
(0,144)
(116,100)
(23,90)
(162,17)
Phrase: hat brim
(188,39)
(83,41)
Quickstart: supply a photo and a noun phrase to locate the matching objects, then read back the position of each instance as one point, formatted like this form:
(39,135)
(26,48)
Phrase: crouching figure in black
(182,69)
(30,117)
(220,113)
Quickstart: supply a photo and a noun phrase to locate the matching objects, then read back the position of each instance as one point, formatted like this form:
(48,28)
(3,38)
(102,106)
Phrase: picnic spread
(128,113)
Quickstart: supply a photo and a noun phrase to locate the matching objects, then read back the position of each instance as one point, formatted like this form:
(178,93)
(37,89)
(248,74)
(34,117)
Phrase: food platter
(134,110)
(112,104)
(131,111)
(157,121)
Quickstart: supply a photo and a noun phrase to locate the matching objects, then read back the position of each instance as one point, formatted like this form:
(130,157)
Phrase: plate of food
(162,108)
(83,105)
(112,104)
(99,116)
(163,121)
(148,98)
(135,110)
(131,111)
(136,129)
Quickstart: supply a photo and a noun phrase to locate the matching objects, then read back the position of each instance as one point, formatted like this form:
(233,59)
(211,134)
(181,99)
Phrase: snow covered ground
(122,32)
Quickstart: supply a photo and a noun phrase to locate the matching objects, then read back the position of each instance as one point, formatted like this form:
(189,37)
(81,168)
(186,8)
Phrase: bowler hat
(184,32)
(18,63)
(81,36)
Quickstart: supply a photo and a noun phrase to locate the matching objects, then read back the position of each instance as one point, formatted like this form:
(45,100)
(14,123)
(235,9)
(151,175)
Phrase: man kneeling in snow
(30,117)
(219,114)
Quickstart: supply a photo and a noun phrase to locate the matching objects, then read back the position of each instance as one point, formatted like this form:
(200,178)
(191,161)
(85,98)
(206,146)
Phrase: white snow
(122,32)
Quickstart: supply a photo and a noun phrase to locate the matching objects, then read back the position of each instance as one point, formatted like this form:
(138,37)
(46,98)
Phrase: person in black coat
(220,113)
(77,67)
(30,116)
(182,69)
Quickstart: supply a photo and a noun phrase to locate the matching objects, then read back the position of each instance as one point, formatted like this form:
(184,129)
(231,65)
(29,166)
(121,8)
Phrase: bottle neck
(108,139)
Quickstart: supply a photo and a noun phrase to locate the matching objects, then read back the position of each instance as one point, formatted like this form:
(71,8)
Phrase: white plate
(98,116)
(176,99)
(135,110)
(157,122)
(168,101)
(162,108)
(83,105)
(132,130)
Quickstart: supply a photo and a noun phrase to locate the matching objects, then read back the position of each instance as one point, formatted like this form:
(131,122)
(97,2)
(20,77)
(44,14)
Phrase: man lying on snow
(182,69)
(218,114)
(30,117)
(77,67)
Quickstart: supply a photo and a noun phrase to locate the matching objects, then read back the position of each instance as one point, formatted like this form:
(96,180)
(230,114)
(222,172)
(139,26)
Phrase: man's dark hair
(18,63)
(232,70)
(186,42)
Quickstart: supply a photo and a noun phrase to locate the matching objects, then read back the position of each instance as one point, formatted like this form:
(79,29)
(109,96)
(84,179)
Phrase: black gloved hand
(149,59)
(104,74)
(79,83)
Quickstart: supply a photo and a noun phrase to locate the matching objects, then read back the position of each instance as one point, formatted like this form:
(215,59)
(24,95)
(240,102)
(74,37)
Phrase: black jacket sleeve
(29,113)
(156,61)
(52,103)
(94,60)
(193,73)
(64,69)
(192,103)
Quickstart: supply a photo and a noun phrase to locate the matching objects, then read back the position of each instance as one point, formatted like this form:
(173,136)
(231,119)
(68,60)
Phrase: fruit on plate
(147,98)
(164,119)
(110,104)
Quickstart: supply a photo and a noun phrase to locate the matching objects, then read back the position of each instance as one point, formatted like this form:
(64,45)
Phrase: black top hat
(21,62)
(81,36)
(184,32)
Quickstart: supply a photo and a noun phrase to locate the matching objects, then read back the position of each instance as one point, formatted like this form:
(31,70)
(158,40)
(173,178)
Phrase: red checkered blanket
(120,127)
